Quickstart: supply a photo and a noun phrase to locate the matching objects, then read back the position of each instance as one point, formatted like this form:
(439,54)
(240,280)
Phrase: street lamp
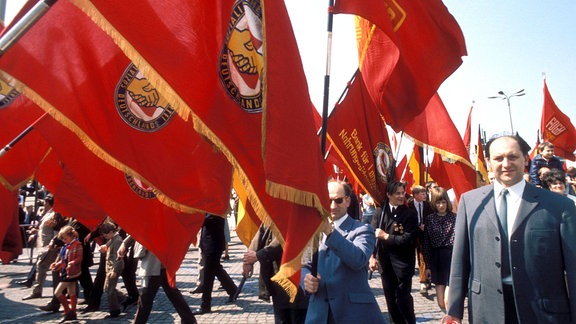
(502,95)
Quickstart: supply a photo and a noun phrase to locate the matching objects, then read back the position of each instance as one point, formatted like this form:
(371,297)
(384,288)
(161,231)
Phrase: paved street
(247,309)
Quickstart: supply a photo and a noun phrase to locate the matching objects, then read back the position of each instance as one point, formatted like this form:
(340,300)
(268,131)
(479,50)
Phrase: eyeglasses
(338,200)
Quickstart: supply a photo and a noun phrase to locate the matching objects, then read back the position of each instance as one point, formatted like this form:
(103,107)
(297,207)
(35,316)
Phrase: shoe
(69,317)
(197,290)
(113,314)
(226,257)
(89,309)
(84,302)
(32,296)
(128,302)
(50,308)
(231,299)
(26,283)
(202,311)
(423,290)
(264,298)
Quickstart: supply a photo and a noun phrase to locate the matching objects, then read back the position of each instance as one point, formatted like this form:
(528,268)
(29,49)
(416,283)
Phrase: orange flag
(557,128)
(480,159)
(359,135)
(415,47)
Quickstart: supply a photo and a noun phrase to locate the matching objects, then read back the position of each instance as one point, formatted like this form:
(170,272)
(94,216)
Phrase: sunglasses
(337,200)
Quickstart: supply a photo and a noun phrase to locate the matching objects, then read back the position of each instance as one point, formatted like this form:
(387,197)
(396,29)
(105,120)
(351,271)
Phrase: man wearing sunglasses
(340,292)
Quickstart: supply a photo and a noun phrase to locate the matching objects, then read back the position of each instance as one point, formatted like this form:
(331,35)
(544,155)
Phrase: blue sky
(510,44)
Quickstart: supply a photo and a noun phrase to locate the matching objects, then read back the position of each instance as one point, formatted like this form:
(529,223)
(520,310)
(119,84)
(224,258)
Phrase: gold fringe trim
(296,196)
(442,152)
(91,145)
(143,65)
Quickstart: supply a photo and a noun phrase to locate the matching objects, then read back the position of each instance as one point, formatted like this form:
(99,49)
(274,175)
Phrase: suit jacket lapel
(527,205)
(490,206)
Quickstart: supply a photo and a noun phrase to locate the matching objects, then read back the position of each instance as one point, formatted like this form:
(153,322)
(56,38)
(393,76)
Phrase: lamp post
(502,95)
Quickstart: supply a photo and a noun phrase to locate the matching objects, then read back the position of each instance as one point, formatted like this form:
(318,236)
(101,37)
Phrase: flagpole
(20,136)
(19,29)
(327,77)
(314,270)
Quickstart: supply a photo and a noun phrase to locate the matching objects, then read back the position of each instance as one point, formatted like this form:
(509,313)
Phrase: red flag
(119,116)
(468,132)
(534,151)
(10,236)
(429,46)
(122,125)
(242,80)
(557,128)
(165,231)
(359,135)
(438,172)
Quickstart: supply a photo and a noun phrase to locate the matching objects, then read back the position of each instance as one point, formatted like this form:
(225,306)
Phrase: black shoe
(231,299)
(202,311)
(54,308)
(113,314)
(226,257)
(27,283)
(89,309)
(128,302)
(265,298)
(69,317)
(197,290)
(32,296)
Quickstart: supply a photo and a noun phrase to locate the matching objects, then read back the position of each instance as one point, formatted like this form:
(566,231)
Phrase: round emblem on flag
(241,59)
(139,104)
(140,188)
(7,94)
(384,162)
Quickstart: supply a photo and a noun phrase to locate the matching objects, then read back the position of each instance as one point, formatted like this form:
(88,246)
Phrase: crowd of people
(507,246)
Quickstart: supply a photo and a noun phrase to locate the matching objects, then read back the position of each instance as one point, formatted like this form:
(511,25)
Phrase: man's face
(336,193)
(507,161)
(547,153)
(397,198)
(420,197)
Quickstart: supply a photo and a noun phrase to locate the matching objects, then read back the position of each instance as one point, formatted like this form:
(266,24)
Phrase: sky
(510,45)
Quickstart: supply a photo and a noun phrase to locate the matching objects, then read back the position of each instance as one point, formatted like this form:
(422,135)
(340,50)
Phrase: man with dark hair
(396,231)
(513,253)
(422,206)
(545,158)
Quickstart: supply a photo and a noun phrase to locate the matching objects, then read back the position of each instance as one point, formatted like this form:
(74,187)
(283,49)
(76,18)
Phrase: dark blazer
(542,254)
(403,230)
(212,240)
(343,270)
(426,209)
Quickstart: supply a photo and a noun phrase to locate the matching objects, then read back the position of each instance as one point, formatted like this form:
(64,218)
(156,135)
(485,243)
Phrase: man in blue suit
(340,292)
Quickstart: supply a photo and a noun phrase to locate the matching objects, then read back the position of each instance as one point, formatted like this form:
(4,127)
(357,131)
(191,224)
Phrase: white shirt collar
(340,221)
(515,190)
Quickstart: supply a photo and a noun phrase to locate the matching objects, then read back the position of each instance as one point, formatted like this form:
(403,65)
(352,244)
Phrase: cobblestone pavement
(247,309)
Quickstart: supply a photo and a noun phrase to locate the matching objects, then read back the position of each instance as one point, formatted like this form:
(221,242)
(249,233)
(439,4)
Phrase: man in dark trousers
(514,255)
(396,231)
(423,208)
(212,244)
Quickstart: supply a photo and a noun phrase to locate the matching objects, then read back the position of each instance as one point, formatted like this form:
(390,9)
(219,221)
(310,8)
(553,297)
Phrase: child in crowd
(68,265)
(114,266)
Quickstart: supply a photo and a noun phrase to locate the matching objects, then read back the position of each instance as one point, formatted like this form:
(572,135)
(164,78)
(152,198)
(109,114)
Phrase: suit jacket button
(499,291)
(497,239)
(497,264)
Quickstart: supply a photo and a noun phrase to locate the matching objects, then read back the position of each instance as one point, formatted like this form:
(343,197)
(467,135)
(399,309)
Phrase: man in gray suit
(340,292)
(515,247)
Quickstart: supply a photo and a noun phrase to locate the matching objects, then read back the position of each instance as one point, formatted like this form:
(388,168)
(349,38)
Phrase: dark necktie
(419,213)
(503,211)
